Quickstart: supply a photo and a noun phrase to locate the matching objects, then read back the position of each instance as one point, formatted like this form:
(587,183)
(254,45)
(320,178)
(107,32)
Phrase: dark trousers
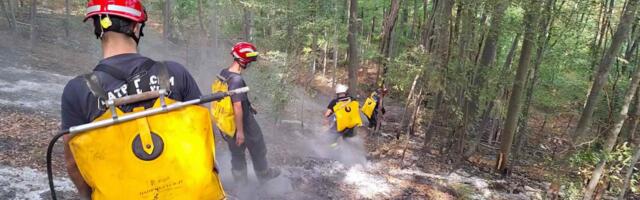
(254,141)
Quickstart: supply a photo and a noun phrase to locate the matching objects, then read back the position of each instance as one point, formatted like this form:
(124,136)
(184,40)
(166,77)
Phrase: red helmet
(130,9)
(244,53)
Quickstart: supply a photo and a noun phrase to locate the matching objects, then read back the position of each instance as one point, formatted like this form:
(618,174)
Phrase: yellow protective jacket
(164,156)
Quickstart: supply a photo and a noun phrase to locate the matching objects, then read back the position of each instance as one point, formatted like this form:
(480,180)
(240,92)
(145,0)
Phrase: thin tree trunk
(612,134)
(603,70)
(488,55)
(33,15)
(627,176)
(67,11)
(486,113)
(324,58)
(409,101)
(634,120)
(518,84)
(167,25)
(215,26)
(354,59)
(543,39)
(200,17)
(387,31)
(335,48)
(247,24)
(6,14)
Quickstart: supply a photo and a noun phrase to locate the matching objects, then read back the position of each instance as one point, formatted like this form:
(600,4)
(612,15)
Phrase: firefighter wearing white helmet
(344,110)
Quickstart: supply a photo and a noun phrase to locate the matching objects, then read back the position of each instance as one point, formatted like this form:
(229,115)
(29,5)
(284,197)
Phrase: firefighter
(343,113)
(245,132)
(118,24)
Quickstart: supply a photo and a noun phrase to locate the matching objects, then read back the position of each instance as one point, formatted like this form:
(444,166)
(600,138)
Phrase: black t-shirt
(336,100)
(80,106)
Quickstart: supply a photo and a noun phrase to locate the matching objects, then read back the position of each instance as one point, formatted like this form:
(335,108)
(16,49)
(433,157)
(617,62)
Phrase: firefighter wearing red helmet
(248,134)
(122,71)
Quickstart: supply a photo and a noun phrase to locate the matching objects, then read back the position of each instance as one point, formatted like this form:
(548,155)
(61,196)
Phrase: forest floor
(370,166)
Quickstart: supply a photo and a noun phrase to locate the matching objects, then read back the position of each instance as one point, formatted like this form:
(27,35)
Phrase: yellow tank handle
(144,132)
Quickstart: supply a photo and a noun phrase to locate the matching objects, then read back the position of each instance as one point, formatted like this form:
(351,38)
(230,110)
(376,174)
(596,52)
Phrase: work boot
(240,177)
(268,174)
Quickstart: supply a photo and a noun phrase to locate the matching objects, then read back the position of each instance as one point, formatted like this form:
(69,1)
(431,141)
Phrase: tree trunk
(621,34)
(247,24)
(627,177)
(488,55)
(354,59)
(543,39)
(387,29)
(67,11)
(167,24)
(6,14)
(215,26)
(201,17)
(334,80)
(612,134)
(634,120)
(428,27)
(32,19)
(324,56)
(518,84)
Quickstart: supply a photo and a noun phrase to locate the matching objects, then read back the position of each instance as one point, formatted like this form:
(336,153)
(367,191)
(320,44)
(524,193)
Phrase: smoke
(284,140)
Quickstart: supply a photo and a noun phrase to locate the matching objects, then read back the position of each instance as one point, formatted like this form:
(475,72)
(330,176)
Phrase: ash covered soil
(367,167)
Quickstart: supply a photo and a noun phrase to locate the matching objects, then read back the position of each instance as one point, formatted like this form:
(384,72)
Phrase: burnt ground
(368,167)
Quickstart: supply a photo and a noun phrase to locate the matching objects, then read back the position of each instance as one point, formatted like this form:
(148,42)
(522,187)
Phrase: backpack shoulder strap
(163,75)
(93,83)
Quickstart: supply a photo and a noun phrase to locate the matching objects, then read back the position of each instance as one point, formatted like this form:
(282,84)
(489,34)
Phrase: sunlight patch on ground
(367,185)
(27,183)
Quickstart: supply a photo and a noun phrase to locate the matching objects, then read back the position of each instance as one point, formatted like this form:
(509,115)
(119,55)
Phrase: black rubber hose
(49,168)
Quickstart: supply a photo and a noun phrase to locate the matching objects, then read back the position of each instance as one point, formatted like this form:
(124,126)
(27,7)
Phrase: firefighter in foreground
(234,117)
(344,115)
(166,156)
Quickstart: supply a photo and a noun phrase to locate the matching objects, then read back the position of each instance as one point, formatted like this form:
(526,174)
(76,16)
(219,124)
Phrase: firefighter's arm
(326,117)
(84,191)
(237,110)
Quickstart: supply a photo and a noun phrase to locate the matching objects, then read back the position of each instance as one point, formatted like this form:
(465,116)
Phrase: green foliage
(271,83)
(617,162)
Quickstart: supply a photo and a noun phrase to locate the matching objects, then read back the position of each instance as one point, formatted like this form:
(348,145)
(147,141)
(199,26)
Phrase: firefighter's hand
(253,110)
(239,138)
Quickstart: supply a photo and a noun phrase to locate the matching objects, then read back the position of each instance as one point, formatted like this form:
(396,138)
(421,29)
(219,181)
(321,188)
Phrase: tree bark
(488,55)
(612,134)
(247,24)
(627,176)
(634,120)
(621,34)
(387,29)
(167,24)
(543,39)
(7,14)
(67,11)
(200,17)
(354,59)
(32,19)
(518,84)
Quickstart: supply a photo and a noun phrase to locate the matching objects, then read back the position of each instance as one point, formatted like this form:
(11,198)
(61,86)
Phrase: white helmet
(340,88)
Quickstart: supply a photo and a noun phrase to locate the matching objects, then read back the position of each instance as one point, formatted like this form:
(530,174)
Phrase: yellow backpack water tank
(164,156)
(222,111)
(347,115)
(369,106)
